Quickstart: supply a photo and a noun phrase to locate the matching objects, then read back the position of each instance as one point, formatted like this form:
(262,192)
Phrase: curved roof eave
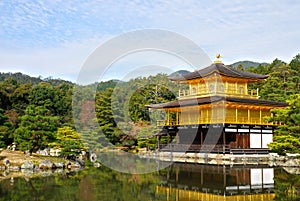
(220,69)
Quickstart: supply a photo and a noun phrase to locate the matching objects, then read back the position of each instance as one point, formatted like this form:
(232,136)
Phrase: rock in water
(27,165)
(46,164)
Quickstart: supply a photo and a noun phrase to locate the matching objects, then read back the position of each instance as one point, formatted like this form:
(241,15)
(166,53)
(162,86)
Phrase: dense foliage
(287,138)
(37,113)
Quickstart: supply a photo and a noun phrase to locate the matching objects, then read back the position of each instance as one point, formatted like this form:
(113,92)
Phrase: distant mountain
(247,64)
(179,73)
(101,86)
(23,78)
(20,77)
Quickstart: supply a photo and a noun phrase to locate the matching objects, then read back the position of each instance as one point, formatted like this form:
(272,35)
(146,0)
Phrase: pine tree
(287,138)
(37,129)
(68,140)
(5,130)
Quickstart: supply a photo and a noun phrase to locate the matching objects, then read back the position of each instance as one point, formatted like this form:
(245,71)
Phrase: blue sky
(55,37)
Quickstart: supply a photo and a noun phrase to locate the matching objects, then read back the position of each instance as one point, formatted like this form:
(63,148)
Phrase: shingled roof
(221,69)
(213,99)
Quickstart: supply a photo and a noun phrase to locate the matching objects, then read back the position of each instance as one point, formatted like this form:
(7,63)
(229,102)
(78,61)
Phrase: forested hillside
(36,113)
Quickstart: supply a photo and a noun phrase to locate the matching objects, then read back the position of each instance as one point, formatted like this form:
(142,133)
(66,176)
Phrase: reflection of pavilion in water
(203,182)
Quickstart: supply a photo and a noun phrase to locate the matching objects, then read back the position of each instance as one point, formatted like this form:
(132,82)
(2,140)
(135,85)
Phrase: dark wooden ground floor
(241,139)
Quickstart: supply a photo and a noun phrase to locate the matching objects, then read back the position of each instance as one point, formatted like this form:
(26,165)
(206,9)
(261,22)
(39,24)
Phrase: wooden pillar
(168,118)
(177,123)
(207,115)
(177,175)
(201,136)
(249,118)
(236,115)
(260,115)
(202,175)
(224,141)
(224,177)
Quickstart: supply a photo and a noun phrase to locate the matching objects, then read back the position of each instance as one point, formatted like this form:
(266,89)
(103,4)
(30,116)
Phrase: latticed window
(202,88)
(194,90)
(265,113)
(254,116)
(194,117)
(231,88)
(241,90)
(242,115)
(220,88)
(230,115)
(212,88)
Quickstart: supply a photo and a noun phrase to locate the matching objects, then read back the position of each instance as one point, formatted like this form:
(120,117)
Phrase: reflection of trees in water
(287,186)
(90,184)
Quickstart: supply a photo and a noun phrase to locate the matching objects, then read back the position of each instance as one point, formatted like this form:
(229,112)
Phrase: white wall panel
(255,140)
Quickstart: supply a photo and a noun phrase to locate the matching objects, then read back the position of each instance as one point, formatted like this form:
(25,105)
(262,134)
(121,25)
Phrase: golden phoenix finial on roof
(218,59)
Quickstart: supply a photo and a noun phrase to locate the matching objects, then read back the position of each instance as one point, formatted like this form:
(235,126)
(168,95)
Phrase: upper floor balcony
(198,92)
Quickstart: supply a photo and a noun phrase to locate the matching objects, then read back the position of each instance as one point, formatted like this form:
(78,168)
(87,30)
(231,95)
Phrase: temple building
(217,108)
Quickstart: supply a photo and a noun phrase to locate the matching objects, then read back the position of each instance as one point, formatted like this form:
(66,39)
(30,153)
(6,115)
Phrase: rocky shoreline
(13,164)
(272,159)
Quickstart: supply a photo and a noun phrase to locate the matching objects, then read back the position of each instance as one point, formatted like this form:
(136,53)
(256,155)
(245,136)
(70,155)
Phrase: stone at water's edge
(80,162)
(6,162)
(46,164)
(291,163)
(27,165)
(14,168)
(59,165)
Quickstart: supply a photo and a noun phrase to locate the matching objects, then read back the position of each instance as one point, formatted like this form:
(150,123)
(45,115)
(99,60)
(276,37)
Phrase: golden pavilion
(216,111)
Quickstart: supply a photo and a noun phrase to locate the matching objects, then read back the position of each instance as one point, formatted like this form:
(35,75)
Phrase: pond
(179,182)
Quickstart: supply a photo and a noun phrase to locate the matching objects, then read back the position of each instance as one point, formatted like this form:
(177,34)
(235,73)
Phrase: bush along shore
(16,163)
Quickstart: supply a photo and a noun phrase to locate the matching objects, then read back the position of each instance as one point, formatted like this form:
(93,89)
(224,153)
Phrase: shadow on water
(182,182)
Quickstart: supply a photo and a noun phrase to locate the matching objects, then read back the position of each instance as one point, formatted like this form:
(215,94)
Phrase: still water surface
(179,182)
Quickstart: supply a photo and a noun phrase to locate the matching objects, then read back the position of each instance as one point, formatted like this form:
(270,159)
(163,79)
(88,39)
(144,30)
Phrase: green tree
(68,140)
(281,82)
(43,94)
(7,88)
(63,103)
(37,129)
(286,138)
(240,67)
(5,130)
(20,99)
(105,116)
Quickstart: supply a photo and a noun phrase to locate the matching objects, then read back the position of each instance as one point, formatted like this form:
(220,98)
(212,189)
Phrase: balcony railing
(233,93)
(227,120)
